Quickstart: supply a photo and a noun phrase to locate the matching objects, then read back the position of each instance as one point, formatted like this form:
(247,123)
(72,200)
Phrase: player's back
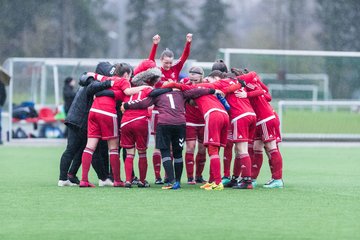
(171,108)
(209,103)
(136,113)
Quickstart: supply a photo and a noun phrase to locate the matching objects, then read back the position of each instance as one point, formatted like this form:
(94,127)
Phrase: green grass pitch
(321,200)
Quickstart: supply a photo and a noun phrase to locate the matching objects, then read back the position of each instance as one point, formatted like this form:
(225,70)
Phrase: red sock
(256,163)
(189,161)
(276,164)
(86,163)
(200,163)
(215,164)
(237,166)
(245,163)
(115,164)
(142,166)
(129,163)
(251,151)
(157,164)
(227,158)
(215,168)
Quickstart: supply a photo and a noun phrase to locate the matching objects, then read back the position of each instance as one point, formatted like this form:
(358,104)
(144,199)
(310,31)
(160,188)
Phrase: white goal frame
(317,136)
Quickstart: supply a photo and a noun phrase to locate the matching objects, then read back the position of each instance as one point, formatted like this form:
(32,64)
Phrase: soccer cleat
(84,184)
(119,184)
(159,181)
(110,176)
(205,185)
(234,180)
(66,183)
(225,180)
(144,184)
(106,182)
(254,183)
(176,186)
(274,183)
(191,181)
(166,180)
(244,183)
(200,179)
(135,181)
(215,187)
(167,186)
(128,184)
(73,179)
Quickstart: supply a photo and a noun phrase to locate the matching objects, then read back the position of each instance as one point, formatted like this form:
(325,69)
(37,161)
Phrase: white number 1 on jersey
(171,99)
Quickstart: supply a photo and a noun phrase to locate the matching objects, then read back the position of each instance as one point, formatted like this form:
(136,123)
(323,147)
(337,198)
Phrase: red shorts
(194,133)
(135,134)
(102,126)
(244,128)
(266,131)
(216,126)
(153,121)
(277,129)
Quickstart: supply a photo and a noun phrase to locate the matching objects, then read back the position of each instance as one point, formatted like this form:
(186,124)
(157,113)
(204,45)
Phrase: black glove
(242,82)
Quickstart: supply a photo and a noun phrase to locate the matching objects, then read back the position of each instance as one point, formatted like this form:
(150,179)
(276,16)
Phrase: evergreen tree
(171,20)
(211,29)
(340,28)
(138,41)
(51,28)
(340,31)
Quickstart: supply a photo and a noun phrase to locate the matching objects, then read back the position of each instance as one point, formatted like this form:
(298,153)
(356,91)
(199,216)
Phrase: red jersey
(239,107)
(174,71)
(108,104)
(135,114)
(192,113)
(261,106)
(120,83)
(206,103)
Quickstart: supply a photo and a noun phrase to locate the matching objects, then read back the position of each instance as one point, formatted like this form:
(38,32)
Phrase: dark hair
(153,80)
(122,68)
(68,80)
(219,65)
(217,73)
(167,53)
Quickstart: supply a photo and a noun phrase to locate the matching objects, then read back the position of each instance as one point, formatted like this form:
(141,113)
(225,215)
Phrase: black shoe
(135,181)
(159,181)
(111,177)
(144,184)
(233,182)
(191,181)
(73,179)
(200,180)
(244,183)
(166,180)
(128,184)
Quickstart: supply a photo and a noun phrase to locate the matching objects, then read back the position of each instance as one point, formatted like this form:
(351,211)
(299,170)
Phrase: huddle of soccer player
(221,110)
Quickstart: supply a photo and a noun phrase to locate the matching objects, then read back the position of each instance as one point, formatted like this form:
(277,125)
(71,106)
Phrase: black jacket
(79,109)
(68,96)
(2,94)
